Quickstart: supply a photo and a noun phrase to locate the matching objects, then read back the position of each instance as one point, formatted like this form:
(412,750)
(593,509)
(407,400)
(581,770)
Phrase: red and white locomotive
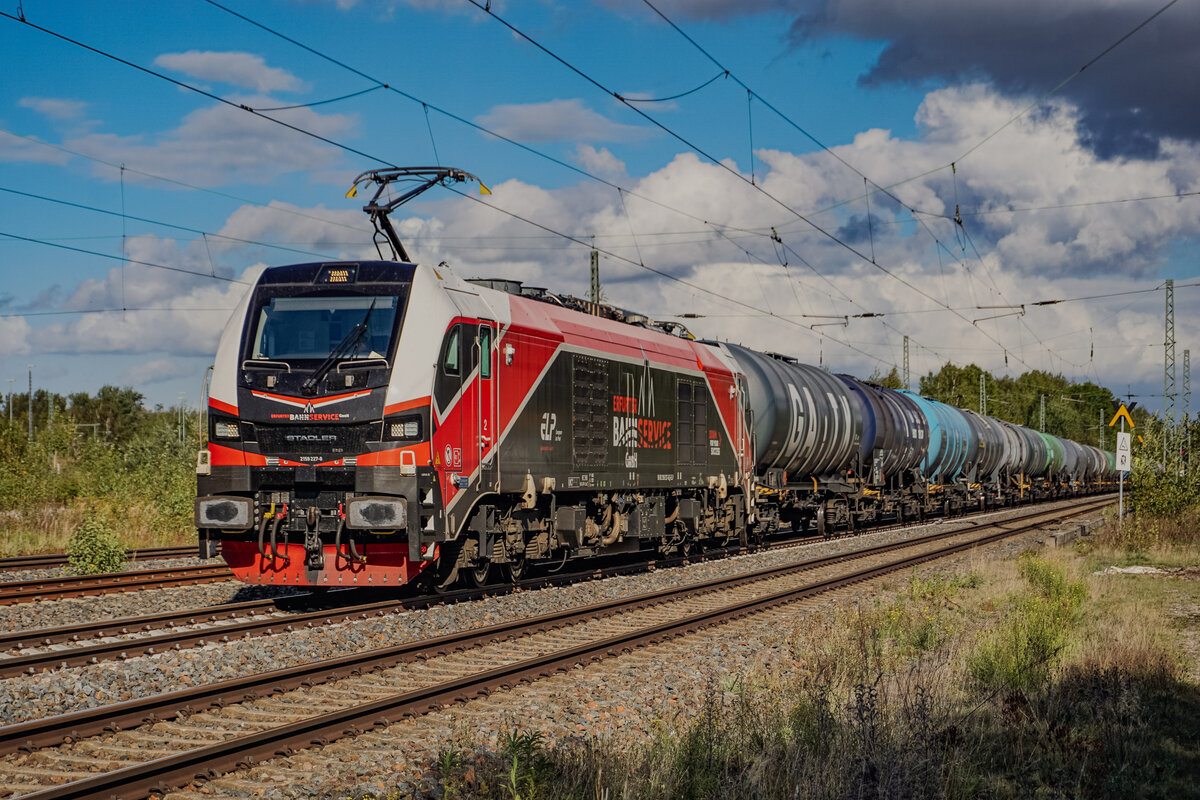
(373,421)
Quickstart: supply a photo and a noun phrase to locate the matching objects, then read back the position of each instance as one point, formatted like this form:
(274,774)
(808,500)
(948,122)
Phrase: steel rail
(37,560)
(158,775)
(88,722)
(85,653)
(87,585)
(84,585)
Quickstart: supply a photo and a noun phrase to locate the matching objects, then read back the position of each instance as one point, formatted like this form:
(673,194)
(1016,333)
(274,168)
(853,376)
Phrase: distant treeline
(114,413)
(95,456)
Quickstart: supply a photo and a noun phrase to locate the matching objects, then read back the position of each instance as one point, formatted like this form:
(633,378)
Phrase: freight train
(375,423)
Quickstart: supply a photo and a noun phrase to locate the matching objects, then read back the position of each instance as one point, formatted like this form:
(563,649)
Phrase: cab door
(448,438)
(487,408)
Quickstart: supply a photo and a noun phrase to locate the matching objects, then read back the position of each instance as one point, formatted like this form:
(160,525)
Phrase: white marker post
(1123,466)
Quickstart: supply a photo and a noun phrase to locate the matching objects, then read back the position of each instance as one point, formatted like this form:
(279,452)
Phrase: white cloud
(341,233)
(599,161)
(172,314)
(17,148)
(14,336)
(244,70)
(180,314)
(1022,257)
(156,371)
(557,121)
(55,108)
(713,231)
(220,145)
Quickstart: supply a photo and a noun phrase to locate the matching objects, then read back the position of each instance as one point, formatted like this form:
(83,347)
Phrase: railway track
(413,678)
(41,560)
(86,643)
(86,585)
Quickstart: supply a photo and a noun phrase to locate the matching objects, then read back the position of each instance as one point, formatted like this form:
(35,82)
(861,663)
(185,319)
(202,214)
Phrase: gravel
(119,605)
(45,694)
(628,699)
(16,575)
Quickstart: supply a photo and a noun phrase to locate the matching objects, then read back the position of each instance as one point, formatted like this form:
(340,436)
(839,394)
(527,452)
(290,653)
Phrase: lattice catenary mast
(1169,373)
(1187,408)
(594,291)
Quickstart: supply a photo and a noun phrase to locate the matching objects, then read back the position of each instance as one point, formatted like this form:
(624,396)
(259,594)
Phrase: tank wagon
(376,422)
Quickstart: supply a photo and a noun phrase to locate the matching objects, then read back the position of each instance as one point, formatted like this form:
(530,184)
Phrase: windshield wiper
(347,345)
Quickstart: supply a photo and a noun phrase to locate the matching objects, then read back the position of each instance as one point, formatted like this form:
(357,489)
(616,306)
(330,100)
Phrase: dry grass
(886,705)
(1144,539)
(49,528)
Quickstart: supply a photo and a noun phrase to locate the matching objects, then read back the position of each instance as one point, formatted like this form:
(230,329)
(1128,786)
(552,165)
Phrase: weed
(448,761)
(529,768)
(95,548)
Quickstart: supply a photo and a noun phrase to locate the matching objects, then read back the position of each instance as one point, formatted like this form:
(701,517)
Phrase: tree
(889,381)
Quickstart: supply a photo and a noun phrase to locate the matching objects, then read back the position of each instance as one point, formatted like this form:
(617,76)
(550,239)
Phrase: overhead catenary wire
(988,137)
(661,273)
(957,218)
(721,164)
(1068,79)
(1027,303)
(272,119)
(149,221)
(145,309)
(177,182)
(121,258)
(316,103)
(635,240)
(425,105)
(198,90)
(723,72)
(328,141)
(884,190)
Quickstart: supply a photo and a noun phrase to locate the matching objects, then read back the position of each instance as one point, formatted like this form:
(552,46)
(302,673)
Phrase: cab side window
(452,352)
(485,351)
(450,367)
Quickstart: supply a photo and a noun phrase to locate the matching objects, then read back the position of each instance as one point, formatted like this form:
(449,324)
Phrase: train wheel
(478,576)
(899,515)
(514,569)
(822,525)
(473,573)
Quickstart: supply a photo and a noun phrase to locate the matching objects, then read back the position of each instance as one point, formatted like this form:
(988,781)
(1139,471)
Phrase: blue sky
(776,237)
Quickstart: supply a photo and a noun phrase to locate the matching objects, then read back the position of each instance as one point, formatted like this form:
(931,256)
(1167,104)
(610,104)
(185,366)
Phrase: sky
(818,178)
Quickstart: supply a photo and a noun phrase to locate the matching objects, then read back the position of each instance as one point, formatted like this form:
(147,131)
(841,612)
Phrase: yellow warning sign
(1122,412)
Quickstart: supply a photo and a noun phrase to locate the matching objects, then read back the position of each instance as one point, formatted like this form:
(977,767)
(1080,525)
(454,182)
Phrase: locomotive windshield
(310,328)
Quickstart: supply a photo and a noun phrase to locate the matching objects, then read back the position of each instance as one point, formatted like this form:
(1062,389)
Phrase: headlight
(223,428)
(377,513)
(227,513)
(403,428)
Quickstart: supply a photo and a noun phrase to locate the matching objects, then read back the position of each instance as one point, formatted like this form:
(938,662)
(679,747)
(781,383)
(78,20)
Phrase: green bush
(95,548)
